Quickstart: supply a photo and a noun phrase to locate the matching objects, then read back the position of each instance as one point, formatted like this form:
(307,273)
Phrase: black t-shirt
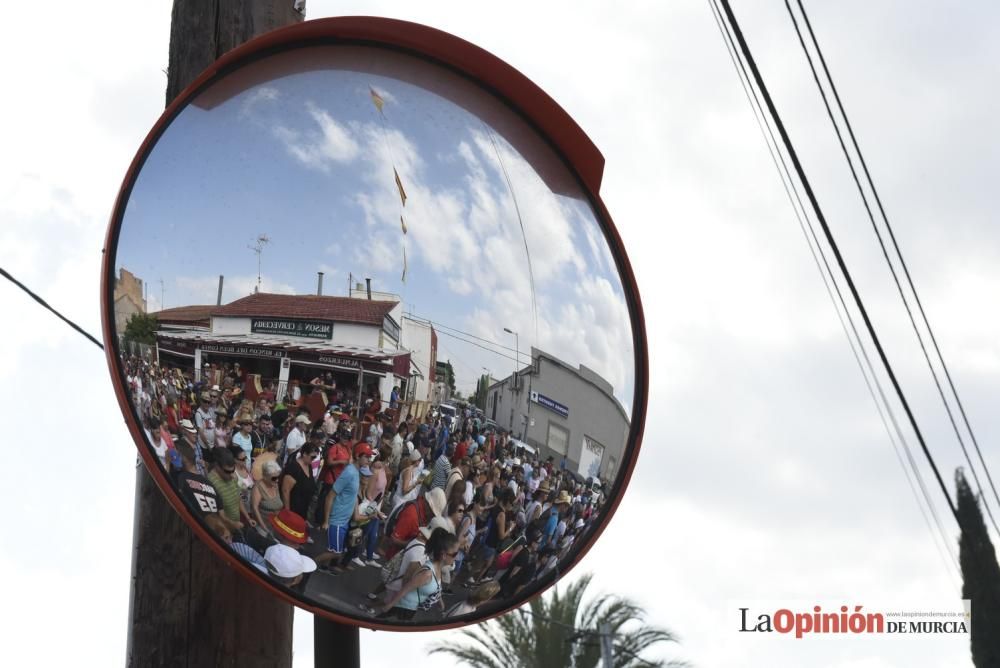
(302,492)
(198,493)
(493,535)
(258,442)
(526,564)
(278,417)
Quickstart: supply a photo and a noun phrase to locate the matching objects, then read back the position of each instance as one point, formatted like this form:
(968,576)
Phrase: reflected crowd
(434,517)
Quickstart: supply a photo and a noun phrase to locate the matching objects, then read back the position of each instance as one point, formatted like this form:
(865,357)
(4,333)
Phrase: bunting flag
(403,223)
(399,184)
(376,99)
(403,279)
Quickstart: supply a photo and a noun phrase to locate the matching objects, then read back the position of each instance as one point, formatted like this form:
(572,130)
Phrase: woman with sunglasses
(265,499)
(244,476)
(422,590)
(297,483)
(241,437)
(223,429)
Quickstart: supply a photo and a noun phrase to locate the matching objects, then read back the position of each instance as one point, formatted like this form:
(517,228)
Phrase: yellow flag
(376,99)
(404,265)
(399,184)
(403,223)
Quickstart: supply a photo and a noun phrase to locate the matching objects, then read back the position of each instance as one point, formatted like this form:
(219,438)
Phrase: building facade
(420,339)
(568,413)
(128,298)
(289,339)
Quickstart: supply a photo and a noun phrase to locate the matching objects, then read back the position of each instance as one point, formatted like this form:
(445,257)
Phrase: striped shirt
(229,492)
(442,467)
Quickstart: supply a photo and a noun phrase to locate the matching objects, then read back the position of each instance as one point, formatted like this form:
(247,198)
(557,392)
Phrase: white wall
(417,339)
(343,332)
(228,326)
(355,335)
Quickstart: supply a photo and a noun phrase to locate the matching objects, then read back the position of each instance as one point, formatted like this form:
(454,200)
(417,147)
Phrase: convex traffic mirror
(371,326)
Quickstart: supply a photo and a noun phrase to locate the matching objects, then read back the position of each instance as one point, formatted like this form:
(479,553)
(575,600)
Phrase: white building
(287,338)
(568,413)
(420,339)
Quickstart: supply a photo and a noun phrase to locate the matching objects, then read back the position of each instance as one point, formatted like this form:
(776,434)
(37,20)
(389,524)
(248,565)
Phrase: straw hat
(436,500)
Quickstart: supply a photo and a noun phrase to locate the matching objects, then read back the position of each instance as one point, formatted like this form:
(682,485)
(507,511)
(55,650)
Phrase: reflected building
(564,412)
(420,339)
(417,336)
(441,387)
(128,298)
(291,339)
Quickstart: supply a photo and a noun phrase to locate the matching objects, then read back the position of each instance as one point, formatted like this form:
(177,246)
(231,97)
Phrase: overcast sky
(765,476)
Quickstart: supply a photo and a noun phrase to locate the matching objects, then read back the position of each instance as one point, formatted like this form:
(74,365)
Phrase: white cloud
(320,148)
(260,95)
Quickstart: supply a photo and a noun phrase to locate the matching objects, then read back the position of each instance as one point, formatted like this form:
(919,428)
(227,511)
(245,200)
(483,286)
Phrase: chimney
(218,300)
(319,285)
(368,282)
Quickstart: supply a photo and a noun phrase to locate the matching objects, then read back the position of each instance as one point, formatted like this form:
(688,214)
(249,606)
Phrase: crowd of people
(451,511)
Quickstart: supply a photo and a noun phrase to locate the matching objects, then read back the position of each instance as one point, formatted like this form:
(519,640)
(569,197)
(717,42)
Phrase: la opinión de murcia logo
(855,621)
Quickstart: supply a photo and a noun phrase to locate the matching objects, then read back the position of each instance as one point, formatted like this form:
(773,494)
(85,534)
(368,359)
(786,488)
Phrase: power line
(439,326)
(899,255)
(46,305)
(478,345)
(520,221)
(800,172)
(941,540)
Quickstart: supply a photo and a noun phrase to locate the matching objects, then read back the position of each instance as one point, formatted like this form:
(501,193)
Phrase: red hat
(290,525)
(362,449)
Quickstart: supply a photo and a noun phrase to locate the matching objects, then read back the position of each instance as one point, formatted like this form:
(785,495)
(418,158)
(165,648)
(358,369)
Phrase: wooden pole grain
(186,607)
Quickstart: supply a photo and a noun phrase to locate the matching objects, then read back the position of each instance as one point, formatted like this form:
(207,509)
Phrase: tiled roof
(308,307)
(186,315)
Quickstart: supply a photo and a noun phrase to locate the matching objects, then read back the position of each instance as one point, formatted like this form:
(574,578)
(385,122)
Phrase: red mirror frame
(511,87)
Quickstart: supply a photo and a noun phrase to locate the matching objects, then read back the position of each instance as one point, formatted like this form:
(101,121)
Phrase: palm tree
(560,630)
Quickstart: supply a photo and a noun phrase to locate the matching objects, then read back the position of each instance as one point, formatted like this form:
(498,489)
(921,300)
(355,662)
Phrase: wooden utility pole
(186,608)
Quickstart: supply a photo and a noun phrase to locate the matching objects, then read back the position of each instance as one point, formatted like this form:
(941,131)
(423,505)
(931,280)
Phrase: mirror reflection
(375,334)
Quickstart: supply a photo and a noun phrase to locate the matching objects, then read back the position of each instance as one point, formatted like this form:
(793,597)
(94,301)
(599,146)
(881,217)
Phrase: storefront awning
(276,347)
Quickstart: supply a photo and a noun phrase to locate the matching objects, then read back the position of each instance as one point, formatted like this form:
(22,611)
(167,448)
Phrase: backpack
(390,523)
(391,567)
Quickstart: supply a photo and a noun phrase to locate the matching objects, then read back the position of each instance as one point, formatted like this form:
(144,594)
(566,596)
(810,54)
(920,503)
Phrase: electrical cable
(899,255)
(520,221)
(44,303)
(439,326)
(479,345)
(941,539)
(800,172)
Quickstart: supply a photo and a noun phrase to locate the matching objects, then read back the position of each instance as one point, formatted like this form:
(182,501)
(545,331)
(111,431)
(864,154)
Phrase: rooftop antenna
(258,248)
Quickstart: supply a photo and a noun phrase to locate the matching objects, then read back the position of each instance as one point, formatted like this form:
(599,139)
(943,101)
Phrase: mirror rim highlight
(510,88)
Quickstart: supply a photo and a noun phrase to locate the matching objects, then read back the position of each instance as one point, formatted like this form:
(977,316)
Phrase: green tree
(141,327)
(980,575)
(451,376)
(560,630)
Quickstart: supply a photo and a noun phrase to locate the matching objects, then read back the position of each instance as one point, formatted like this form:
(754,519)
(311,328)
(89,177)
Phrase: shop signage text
(340,361)
(309,329)
(551,404)
(244,351)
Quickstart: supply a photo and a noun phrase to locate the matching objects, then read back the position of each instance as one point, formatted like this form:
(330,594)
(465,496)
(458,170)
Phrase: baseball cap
(286,562)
